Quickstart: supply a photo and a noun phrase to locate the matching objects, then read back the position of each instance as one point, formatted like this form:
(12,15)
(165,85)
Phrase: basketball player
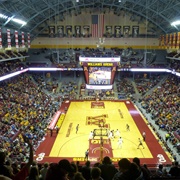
(144,135)
(140,143)
(110,135)
(127,127)
(117,133)
(77,128)
(120,141)
(86,154)
(91,135)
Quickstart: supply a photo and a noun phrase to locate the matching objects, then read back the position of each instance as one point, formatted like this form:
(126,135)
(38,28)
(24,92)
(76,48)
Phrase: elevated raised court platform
(113,115)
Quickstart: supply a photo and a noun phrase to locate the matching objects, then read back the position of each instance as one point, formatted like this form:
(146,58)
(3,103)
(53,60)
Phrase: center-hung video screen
(99,75)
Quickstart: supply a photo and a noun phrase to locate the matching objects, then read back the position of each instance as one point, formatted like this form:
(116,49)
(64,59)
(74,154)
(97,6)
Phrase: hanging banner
(126,31)
(178,41)
(60,31)
(77,30)
(160,37)
(171,41)
(167,41)
(51,31)
(135,31)
(162,41)
(0,39)
(108,31)
(69,31)
(22,41)
(29,41)
(16,39)
(9,38)
(86,30)
(174,41)
(117,31)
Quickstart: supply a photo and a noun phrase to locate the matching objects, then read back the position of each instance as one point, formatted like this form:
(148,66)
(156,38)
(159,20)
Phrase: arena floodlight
(147,70)
(19,21)
(3,16)
(175,23)
(43,69)
(9,75)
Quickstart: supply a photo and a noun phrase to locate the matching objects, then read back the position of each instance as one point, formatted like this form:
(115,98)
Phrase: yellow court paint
(116,114)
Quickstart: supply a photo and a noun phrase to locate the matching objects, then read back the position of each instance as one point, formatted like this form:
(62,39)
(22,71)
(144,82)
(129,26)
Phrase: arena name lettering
(100,64)
(94,159)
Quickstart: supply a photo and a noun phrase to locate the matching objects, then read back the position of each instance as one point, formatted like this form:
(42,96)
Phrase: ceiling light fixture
(175,23)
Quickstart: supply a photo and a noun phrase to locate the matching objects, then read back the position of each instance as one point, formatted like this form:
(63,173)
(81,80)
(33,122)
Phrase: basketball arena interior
(89,89)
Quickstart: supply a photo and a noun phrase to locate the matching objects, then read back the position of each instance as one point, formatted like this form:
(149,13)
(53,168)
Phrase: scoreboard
(99,72)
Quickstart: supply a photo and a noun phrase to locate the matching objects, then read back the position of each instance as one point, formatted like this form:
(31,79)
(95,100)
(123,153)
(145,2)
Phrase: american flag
(97,28)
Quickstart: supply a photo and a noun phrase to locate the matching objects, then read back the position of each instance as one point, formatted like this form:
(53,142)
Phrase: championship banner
(117,31)
(29,41)
(174,41)
(86,30)
(171,41)
(22,40)
(126,30)
(160,37)
(16,39)
(9,38)
(69,31)
(135,31)
(178,41)
(77,30)
(60,31)
(162,41)
(51,31)
(167,41)
(0,39)
(108,31)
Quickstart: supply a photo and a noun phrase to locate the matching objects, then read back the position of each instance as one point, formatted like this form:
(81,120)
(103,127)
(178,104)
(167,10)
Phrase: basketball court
(100,117)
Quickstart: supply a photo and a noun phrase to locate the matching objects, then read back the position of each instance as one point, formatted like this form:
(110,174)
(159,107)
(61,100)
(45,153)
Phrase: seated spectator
(108,170)
(144,170)
(2,177)
(175,170)
(3,169)
(59,170)
(43,171)
(23,173)
(161,172)
(86,170)
(78,176)
(33,174)
(128,171)
(96,173)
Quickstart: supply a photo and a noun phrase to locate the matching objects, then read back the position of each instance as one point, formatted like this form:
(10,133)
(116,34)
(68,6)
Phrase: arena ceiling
(37,13)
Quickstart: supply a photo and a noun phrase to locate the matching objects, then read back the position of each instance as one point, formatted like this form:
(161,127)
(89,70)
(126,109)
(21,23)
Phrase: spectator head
(88,163)
(2,157)
(78,176)
(107,160)
(46,164)
(34,172)
(160,166)
(137,161)
(4,177)
(95,173)
(55,172)
(176,163)
(66,165)
(124,164)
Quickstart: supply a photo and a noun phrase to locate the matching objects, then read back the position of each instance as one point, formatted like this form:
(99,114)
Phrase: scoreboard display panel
(99,75)
(99,72)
